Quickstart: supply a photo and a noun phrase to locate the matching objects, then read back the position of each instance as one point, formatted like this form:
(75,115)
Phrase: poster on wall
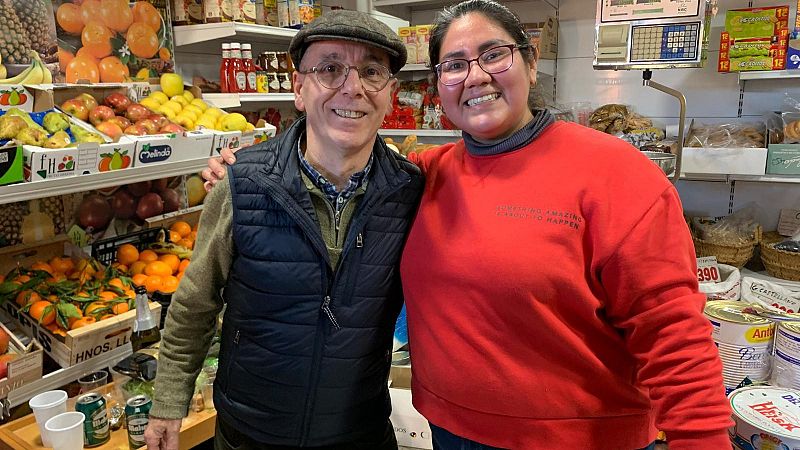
(27,27)
(112,41)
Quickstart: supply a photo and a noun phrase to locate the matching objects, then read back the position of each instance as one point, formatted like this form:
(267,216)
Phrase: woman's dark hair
(489,8)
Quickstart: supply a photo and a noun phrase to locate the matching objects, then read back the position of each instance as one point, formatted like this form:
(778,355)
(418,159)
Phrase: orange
(71,320)
(154,283)
(122,268)
(116,14)
(117,282)
(94,308)
(108,295)
(40,265)
(89,9)
(164,54)
(169,284)
(148,256)
(68,17)
(55,328)
(130,293)
(96,38)
(112,70)
(142,40)
(188,243)
(64,57)
(82,68)
(22,279)
(43,311)
(139,279)
(57,276)
(52,298)
(179,276)
(120,308)
(2,278)
(159,268)
(27,296)
(85,53)
(127,254)
(63,265)
(137,267)
(146,13)
(172,261)
(181,227)
(174,236)
(82,322)
(183,265)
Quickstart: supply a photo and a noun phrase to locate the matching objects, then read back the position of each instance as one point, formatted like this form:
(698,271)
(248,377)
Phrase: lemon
(233,122)
(206,122)
(184,121)
(171,84)
(189,114)
(167,112)
(173,106)
(151,104)
(160,97)
(200,104)
(143,73)
(180,100)
(188,95)
(215,112)
(194,109)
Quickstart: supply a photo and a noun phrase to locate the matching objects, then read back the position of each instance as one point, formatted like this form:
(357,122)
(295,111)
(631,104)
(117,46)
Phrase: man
(305,236)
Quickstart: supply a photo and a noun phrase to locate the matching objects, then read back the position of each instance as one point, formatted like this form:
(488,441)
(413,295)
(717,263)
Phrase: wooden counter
(23,433)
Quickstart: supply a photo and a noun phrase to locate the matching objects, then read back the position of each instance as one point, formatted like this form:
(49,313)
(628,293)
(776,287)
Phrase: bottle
(237,75)
(145,329)
(249,67)
(224,68)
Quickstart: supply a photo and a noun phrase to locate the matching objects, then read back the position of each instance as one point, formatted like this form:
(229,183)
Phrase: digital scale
(652,34)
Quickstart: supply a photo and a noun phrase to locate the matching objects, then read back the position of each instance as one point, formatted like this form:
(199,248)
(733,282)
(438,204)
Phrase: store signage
(708,270)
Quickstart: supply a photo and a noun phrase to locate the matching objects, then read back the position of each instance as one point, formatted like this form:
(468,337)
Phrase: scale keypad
(678,42)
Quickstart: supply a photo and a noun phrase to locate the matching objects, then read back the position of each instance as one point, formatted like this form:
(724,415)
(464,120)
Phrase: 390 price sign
(708,270)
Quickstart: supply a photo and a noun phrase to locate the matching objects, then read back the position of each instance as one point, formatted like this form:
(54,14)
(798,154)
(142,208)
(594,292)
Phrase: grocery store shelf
(236,100)
(403,8)
(415,68)
(67,375)
(79,183)
(769,75)
(421,133)
(767,178)
(193,34)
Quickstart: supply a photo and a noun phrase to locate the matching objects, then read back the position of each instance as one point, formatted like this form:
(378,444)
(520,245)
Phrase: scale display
(651,34)
(627,10)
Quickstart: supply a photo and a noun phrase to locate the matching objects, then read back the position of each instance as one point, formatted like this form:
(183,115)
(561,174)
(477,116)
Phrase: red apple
(135,130)
(148,125)
(4,360)
(111,130)
(100,115)
(172,128)
(120,121)
(76,108)
(136,112)
(159,120)
(89,100)
(119,102)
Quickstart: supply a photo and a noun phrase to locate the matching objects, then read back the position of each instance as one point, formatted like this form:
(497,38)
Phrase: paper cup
(66,430)
(46,405)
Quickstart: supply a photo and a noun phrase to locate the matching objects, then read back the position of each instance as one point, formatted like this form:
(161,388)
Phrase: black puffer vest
(305,350)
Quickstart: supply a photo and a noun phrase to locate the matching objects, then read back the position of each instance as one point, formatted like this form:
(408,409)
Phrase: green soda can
(137,416)
(95,428)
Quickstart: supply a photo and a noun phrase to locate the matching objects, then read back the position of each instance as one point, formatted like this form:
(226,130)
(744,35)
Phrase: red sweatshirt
(553,302)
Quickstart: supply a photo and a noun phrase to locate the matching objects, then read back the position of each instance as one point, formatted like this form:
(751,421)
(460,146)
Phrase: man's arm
(191,321)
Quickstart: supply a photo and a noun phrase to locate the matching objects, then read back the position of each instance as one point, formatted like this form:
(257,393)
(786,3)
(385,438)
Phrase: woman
(549,275)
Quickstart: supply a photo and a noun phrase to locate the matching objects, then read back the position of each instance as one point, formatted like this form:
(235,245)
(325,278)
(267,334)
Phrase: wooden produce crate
(26,367)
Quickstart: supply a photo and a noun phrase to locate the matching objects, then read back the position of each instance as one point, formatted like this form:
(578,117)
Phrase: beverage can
(137,416)
(96,430)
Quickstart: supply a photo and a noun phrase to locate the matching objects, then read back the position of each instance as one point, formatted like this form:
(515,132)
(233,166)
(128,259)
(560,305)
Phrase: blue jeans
(445,440)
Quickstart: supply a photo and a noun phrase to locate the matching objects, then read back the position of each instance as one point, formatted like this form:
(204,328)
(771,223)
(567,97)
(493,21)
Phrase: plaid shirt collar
(338,199)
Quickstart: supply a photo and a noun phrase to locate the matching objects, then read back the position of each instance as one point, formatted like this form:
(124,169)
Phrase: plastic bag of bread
(738,228)
(611,118)
(727,135)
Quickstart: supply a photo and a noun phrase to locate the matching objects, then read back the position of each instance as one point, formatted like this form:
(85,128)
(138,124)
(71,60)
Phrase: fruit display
(35,73)
(22,221)
(49,129)
(108,40)
(118,115)
(27,25)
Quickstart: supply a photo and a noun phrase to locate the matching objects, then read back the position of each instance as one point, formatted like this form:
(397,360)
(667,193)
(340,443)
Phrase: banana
(166,248)
(47,77)
(22,75)
(3,71)
(34,74)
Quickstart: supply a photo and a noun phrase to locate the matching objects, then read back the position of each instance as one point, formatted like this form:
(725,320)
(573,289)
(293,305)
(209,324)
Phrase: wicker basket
(780,263)
(732,254)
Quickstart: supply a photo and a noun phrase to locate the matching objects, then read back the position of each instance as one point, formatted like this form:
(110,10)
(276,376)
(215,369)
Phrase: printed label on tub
(741,333)
(766,418)
(770,295)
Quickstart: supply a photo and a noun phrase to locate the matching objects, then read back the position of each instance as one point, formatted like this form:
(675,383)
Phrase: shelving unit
(421,133)
(194,34)
(236,100)
(404,8)
(769,75)
(68,185)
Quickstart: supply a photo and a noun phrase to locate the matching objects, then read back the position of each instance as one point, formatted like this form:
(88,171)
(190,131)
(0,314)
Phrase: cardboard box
(723,160)
(754,39)
(26,366)
(410,428)
(11,165)
(783,159)
(409,37)
(16,96)
(88,157)
(167,148)
(544,36)
(64,92)
(237,140)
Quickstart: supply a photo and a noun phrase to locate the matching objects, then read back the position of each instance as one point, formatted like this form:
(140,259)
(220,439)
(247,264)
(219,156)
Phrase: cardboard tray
(27,367)
(725,161)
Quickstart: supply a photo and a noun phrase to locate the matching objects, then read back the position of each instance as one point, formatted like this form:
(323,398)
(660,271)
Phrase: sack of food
(730,288)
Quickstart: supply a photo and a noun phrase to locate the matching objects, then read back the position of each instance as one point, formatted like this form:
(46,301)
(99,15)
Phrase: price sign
(708,270)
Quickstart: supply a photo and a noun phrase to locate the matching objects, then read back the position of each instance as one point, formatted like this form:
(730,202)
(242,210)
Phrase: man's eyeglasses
(494,60)
(332,75)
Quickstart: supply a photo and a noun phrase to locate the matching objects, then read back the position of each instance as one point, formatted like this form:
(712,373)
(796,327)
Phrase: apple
(120,121)
(4,338)
(100,114)
(148,125)
(119,102)
(172,128)
(136,112)
(159,120)
(135,130)
(76,108)
(89,100)
(4,360)
(111,130)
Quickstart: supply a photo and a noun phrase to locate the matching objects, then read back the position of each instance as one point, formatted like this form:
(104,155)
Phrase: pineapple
(54,207)
(11,219)
(14,42)
(38,21)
